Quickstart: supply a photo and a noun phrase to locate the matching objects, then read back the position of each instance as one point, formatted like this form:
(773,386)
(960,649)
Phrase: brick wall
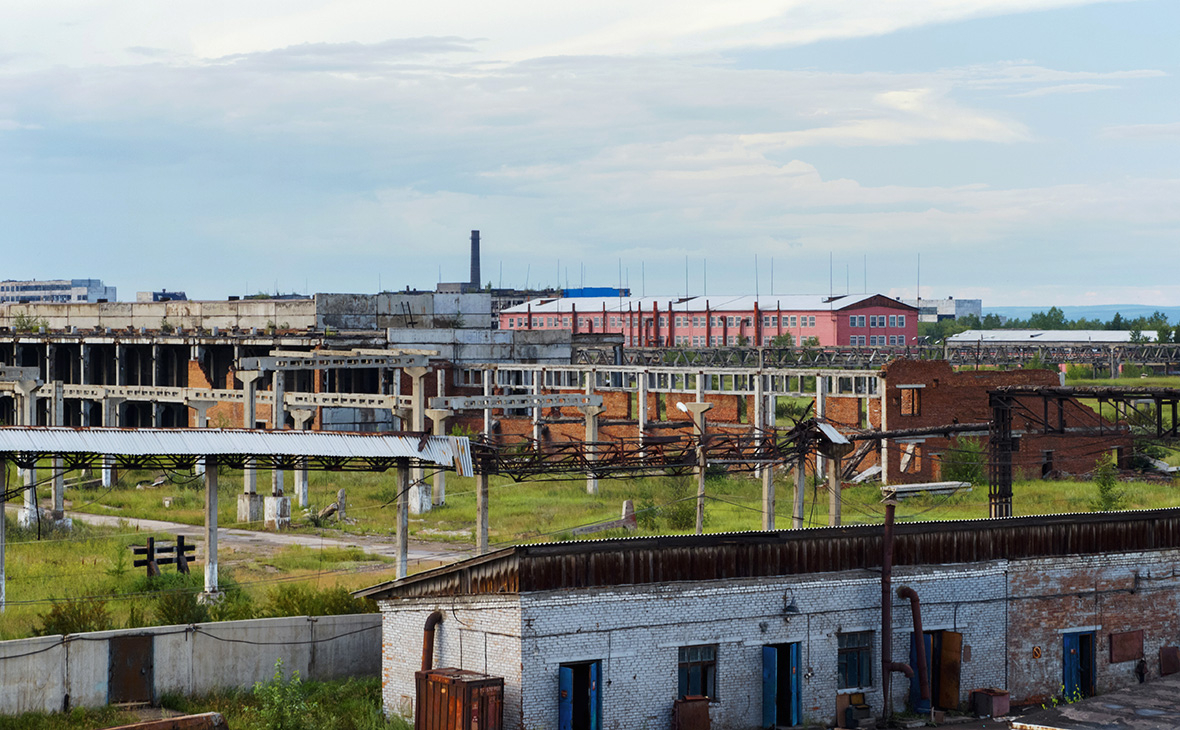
(1003,609)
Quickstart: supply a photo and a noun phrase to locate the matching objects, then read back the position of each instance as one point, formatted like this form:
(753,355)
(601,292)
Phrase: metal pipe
(434,619)
(920,649)
(888,666)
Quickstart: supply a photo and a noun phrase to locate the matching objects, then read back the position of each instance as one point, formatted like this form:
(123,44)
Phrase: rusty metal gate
(130,676)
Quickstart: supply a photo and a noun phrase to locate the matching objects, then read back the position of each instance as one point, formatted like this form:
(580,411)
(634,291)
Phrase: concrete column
(27,416)
(403,518)
(3,542)
(57,417)
(303,416)
(489,377)
(120,361)
(481,510)
(641,404)
(800,490)
(278,414)
(438,417)
(419,496)
(249,501)
(212,592)
(202,421)
(592,413)
(768,497)
(834,501)
(110,419)
(538,376)
(821,411)
(697,411)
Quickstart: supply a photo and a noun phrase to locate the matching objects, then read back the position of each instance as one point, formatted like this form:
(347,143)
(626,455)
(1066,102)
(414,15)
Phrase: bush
(1106,477)
(297,600)
(75,617)
(180,606)
(964,461)
(281,703)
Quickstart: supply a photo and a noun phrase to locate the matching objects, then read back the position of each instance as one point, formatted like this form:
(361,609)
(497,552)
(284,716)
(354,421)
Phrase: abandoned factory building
(784,628)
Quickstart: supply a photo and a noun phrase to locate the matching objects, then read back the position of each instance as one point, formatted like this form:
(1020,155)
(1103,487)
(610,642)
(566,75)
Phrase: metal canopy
(171,448)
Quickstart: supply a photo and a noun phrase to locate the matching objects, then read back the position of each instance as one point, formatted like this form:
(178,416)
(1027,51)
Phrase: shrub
(180,606)
(75,617)
(297,600)
(964,461)
(282,703)
(1110,497)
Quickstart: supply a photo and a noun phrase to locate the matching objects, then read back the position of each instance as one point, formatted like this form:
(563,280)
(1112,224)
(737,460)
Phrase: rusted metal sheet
(640,560)
(458,699)
(130,670)
(1169,660)
(1126,646)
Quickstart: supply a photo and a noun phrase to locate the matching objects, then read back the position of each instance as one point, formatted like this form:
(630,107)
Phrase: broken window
(911,401)
(855,661)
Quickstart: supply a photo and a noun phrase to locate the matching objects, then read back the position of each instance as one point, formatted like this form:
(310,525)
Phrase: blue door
(565,701)
(782,690)
(769,686)
(917,704)
(1077,664)
(579,702)
(595,696)
(796,686)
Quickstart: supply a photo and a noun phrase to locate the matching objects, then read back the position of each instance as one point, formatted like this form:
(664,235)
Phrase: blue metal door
(565,701)
(1071,663)
(769,686)
(595,696)
(796,686)
(916,703)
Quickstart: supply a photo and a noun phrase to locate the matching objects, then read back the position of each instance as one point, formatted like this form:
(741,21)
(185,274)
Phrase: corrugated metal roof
(722,556)
(1056,337)
(716,303)
(451,451)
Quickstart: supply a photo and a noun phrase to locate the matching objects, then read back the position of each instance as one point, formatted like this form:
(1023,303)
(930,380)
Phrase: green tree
(783,340)
(1106,479)
(963,461)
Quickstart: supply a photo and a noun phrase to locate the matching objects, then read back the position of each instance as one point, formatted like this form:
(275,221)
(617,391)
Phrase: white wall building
(934,310)
(56,290)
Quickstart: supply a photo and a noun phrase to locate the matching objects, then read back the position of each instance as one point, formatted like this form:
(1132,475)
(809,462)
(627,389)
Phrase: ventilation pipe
(920,649)
(887,664)
(434,619)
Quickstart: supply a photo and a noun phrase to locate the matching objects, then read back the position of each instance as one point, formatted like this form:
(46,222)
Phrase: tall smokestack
(475,285)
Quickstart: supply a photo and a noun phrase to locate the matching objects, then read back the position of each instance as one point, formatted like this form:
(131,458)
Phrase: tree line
(1054,319)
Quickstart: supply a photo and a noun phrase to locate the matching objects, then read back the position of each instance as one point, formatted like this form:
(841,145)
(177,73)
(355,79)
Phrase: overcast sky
(1026,151)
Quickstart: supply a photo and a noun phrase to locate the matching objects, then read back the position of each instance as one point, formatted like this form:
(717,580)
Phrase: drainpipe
(434,619)
(888,666)
(920,646)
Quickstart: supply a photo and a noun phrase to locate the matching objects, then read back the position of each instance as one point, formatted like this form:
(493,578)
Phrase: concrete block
(419,498)
(276,512)
(346,646)
(221,656)
(249,507)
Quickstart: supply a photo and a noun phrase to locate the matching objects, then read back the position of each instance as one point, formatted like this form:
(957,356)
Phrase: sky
(1023,152)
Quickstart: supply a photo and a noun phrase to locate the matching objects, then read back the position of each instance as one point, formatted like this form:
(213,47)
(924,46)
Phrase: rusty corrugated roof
(639,560)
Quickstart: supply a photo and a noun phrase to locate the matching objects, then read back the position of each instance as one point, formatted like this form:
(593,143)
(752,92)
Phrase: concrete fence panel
(53,673)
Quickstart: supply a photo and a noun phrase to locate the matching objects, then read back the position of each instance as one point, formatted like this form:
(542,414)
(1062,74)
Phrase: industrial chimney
(475,284)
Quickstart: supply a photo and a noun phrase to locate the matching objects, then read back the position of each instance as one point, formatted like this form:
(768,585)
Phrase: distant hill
(1104,312)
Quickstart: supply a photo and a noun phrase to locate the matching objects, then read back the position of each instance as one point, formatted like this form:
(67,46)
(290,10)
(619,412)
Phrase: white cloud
(1066,89)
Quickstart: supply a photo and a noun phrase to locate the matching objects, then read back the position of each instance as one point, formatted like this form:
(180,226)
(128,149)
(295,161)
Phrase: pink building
(869,320)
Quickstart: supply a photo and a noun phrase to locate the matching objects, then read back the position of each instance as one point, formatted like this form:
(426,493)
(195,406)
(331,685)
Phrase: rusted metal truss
(1055,411)
(752,357)
(73,461)
(1099,355)
(619,458)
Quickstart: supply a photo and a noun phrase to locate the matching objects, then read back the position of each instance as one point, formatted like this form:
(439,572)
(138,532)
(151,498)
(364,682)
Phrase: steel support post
(438,418)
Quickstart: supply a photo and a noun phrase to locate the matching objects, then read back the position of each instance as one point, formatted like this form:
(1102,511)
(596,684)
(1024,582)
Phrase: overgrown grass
(79,718)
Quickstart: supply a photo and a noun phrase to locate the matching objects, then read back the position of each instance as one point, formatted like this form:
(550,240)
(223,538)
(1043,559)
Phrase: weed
(75,617)
(1110,497)
(282,703)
